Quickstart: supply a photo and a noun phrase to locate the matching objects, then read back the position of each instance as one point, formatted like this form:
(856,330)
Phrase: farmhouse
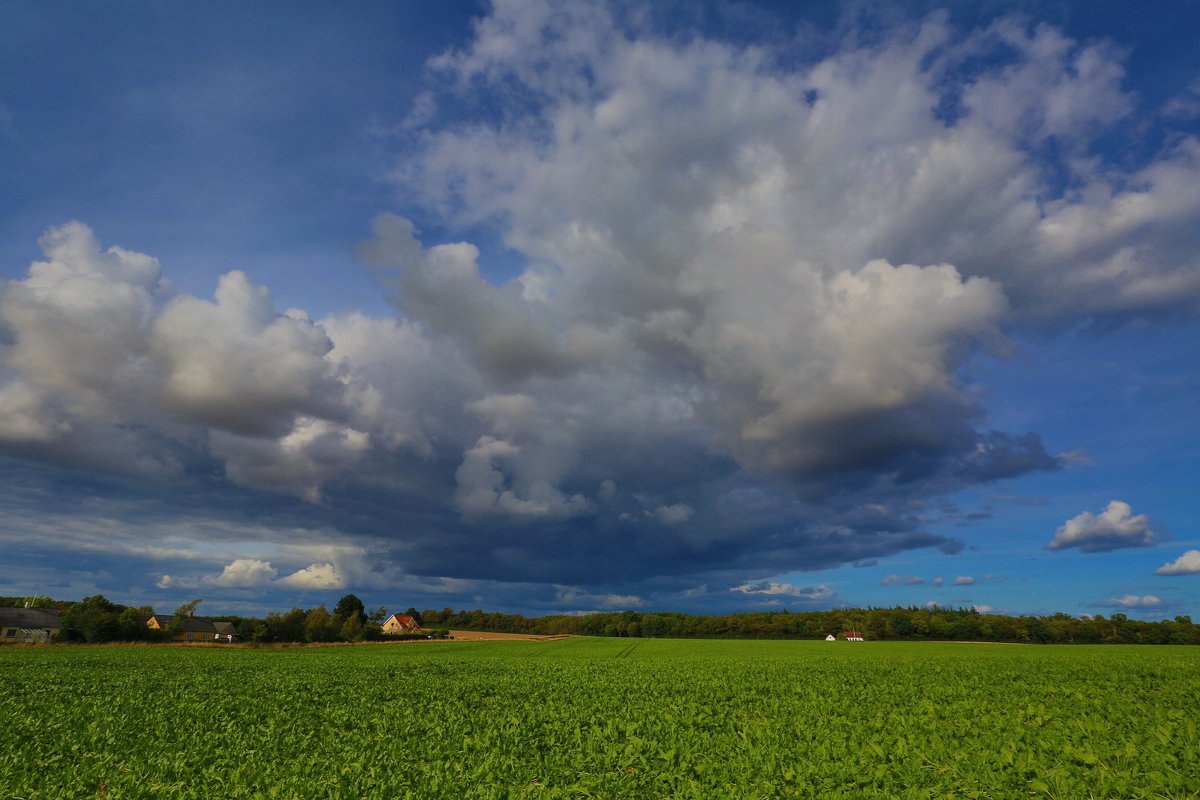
(853,636)
(399,624)
(195,629)
(28,624)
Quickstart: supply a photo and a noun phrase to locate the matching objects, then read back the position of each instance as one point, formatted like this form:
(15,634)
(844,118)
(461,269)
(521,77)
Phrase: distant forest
(97,619)
(906,624)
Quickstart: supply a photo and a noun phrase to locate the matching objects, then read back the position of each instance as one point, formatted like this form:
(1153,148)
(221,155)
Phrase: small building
(195,629)
(400,624)
(853,636)
(28,624)
(831,638)
(226,631)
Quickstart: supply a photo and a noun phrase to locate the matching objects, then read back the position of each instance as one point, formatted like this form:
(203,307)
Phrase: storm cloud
(749,290)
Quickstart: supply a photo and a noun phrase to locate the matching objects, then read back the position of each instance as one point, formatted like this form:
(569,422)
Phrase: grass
(601,718)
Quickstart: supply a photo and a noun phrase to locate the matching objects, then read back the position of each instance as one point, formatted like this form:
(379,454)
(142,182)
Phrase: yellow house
(399,624)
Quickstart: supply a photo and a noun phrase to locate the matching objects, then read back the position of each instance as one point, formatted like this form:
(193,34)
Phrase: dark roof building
(195,629)
(28,624)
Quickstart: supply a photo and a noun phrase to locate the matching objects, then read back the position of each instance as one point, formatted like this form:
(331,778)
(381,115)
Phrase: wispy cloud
(771,589)
(901,580)
(1134,601)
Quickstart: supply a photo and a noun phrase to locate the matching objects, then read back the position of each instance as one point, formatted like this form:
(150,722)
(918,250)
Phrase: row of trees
(95,619)
(348,622)
(911,623)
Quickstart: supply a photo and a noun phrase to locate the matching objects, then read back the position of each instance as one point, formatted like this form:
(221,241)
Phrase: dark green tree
(350,607)
(320,626)
(92,619)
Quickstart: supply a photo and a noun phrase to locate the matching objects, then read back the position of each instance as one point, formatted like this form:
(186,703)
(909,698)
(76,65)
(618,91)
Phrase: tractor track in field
(626,651)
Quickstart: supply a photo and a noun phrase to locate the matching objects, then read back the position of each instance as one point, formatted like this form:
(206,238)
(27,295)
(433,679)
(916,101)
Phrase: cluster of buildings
(33,625)
(195,629)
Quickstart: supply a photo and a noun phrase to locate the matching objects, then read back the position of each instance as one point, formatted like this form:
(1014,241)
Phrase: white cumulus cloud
(1113,528)
(315,576)
(246,573)
(1186,564)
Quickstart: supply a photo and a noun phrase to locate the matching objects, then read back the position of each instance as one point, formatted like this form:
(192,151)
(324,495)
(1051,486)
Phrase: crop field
(613,718)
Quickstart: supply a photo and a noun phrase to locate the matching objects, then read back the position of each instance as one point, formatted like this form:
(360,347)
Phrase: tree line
(95,619)
(913,623)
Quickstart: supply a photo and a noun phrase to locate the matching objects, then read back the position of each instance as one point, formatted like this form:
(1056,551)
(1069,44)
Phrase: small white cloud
(982,608)
(315,576)
(1133,601)
(245,573)
(938,581)
(676,514)
(1113,528)
(1186,564)
(905,580)
(164,582)
(818,592)
(964,580)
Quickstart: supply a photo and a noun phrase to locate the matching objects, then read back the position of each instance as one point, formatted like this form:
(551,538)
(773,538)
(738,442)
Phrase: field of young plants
(600,718)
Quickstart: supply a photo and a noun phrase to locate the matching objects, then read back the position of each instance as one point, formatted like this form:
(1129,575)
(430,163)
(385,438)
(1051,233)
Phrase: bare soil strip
(484,636)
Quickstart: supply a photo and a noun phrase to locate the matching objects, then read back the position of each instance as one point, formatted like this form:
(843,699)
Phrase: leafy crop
(600,718)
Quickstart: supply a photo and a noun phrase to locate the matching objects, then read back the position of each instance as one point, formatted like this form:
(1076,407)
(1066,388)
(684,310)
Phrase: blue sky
(568,307)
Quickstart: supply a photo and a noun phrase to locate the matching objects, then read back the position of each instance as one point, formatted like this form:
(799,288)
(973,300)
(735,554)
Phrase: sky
(571,307)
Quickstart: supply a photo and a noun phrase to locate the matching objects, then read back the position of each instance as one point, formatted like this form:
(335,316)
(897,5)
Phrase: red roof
(407,622)
(848,634)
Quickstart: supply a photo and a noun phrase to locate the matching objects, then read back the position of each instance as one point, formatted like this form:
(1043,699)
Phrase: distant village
(95,619)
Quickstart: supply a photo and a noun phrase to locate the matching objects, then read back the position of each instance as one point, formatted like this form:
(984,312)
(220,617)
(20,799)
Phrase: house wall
(11,634)
(393,625)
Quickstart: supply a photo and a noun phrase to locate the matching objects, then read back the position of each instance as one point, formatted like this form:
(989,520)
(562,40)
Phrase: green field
(601,718)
